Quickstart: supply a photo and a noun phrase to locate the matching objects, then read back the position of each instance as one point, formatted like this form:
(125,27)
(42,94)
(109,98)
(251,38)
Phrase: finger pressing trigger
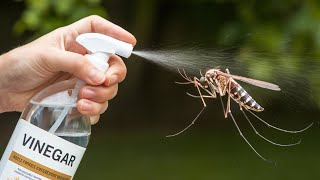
(117,71)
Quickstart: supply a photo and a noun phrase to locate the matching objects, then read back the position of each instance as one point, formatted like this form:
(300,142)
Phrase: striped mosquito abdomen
(242,97)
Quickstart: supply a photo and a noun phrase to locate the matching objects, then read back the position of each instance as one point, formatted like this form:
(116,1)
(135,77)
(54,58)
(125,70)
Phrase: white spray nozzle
(96,42)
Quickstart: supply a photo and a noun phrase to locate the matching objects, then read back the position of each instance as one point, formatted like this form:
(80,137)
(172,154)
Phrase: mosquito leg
(201,73)
(212,89)
(222,93)
(279,129)
(197,86)
(213,93)
(255,130)
(196,83)
(228,102)
(222,104)
(235,123)
(184,76)
(184,82)
(194,120)
(195,96)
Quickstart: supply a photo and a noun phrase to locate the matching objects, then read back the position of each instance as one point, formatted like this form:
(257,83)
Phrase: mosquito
(215,82)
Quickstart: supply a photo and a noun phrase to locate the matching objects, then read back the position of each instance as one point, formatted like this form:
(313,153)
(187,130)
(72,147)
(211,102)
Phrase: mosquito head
(203,81)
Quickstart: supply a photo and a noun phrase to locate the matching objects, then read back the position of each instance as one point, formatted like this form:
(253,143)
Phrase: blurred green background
(277,41)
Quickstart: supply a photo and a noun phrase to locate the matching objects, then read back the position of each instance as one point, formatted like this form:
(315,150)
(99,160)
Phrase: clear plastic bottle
(51,136)
(45,108)
(33,151)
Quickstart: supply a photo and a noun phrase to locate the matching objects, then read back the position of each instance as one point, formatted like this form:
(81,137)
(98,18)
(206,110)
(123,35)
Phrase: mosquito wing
(254,82)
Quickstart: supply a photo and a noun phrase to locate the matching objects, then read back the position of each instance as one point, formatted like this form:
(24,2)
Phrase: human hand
(56,56)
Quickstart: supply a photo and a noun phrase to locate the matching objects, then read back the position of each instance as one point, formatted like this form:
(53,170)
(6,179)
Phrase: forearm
(4,102)
(5,97)
(3,93)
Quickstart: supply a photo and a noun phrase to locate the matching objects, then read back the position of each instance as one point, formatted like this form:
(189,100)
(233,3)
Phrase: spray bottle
(51,135)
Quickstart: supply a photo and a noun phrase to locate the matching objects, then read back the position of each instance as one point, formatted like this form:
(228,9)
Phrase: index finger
(97,24)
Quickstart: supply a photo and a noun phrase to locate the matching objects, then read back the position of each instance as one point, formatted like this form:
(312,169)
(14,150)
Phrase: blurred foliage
(42,16)
(284,42)
(283,37)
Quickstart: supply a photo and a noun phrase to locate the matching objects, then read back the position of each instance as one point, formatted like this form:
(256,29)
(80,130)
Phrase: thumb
(75,64)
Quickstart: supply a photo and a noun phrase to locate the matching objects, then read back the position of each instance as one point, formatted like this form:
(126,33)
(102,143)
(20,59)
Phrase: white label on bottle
(35,154)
